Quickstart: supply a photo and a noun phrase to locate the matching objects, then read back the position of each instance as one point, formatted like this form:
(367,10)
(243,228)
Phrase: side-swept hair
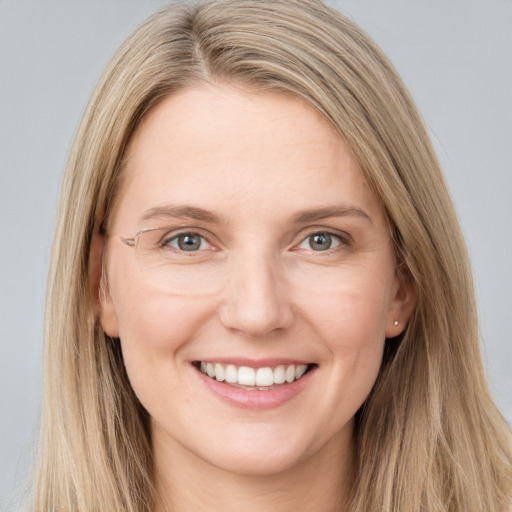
(429,437)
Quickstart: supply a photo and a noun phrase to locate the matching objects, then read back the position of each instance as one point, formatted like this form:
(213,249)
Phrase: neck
(185,482)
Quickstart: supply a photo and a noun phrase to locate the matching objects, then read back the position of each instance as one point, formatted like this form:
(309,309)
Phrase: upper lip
(254,363)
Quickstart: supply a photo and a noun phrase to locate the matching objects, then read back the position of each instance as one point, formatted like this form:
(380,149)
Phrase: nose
(256,299)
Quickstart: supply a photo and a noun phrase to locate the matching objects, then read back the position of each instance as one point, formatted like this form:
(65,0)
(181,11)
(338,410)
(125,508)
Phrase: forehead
(218,147)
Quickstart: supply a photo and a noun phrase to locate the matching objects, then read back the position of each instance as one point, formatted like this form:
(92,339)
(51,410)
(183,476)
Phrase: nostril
(257,321)
(254,301)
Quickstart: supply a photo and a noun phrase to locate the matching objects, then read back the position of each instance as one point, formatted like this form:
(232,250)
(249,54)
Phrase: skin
(256,289)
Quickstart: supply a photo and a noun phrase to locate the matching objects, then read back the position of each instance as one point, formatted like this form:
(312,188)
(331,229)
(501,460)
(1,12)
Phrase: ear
(101,298)
(108,317)
(401,306)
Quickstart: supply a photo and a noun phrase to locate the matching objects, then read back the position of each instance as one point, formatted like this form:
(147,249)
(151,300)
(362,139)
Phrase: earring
(395,323)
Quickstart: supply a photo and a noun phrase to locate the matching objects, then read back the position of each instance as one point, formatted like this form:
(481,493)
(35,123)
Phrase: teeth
(219,372)
(231,374)
(246,376)
(300,370)
(264,377)
(279,375)
(260,378)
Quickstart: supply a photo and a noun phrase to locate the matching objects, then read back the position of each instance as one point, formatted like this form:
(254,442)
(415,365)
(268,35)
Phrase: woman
(259,291)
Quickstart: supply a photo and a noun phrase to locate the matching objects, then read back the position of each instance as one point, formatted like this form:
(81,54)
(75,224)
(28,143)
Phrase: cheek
(349,319)
(153,329)
(351,308)
(153,322)
(149,319)
(353,328)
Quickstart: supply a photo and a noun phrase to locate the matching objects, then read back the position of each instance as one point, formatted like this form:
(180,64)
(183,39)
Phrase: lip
(255,363)
(255,399)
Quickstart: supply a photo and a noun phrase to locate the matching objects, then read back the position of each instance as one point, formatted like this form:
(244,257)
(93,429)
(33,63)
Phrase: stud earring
(395,323)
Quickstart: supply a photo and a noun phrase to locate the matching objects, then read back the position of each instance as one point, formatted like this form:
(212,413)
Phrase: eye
(188,242)
(320,241)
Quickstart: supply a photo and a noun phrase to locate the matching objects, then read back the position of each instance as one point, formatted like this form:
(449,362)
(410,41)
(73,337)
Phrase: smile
(246,377)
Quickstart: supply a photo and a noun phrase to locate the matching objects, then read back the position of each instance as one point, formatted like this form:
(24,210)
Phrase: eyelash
(340,241)
(167,239)
(343,241)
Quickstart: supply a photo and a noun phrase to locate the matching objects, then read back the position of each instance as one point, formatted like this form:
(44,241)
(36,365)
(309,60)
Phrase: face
(253,318)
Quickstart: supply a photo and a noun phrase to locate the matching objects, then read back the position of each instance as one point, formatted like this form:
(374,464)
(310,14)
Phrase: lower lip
(255,399)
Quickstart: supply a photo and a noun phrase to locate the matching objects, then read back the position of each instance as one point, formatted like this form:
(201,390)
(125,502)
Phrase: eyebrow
(200,214)
(181,212)
(330,211)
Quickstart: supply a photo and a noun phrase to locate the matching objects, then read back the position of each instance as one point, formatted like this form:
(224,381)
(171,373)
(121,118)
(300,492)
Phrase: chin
(256,451)
(257,462)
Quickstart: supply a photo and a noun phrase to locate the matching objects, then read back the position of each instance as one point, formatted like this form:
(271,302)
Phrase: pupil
(320,241)
(189,242)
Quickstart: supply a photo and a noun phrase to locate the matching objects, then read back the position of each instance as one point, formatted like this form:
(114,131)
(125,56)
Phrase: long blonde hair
(428,437)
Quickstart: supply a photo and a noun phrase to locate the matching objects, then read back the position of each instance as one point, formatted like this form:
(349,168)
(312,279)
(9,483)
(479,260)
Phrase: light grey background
(455,56)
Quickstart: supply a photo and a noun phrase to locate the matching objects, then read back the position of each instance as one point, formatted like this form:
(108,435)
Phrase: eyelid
(344,237)
(171,233)
(174,238)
